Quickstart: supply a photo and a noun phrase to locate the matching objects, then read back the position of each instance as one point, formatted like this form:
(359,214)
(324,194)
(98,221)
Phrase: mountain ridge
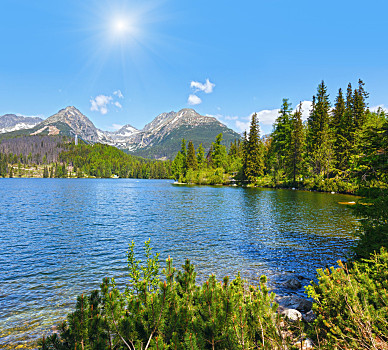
(160,138)
(14,122)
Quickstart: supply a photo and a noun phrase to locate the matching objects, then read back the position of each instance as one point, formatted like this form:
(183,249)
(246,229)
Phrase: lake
(60,237)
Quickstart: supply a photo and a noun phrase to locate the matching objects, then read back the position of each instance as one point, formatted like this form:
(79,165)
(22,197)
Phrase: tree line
(339,148)
(70,160)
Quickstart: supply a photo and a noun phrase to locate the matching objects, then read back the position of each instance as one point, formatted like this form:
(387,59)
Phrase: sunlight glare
(121,26)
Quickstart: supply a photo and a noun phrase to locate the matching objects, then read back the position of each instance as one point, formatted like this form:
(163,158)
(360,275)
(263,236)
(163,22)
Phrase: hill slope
(159,139)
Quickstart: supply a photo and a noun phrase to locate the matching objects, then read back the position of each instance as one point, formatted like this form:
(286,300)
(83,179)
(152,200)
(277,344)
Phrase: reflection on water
(60,237)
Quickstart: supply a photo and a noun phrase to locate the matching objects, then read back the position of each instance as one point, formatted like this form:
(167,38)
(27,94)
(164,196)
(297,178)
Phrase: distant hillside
(168,146)
(160,139)
(38,149)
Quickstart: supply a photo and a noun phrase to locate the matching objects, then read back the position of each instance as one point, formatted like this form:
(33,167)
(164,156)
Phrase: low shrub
(352,305)
(174,313)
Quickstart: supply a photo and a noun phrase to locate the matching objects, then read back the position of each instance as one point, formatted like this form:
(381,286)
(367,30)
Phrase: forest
(340,148)
(59,157)
(343,148)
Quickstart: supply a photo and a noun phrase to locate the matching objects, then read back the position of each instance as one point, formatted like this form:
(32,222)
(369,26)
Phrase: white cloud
(376,108)
(118,94)
(207,88)
(101,102)
(194,100)
(267,116)
(242,126)
(306,107)
(231,118)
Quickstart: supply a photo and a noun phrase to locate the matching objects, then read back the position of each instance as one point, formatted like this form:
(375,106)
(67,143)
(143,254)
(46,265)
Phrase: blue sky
(125,62)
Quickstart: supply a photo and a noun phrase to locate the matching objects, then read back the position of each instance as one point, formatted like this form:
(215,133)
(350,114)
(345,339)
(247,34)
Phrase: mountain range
(160,139)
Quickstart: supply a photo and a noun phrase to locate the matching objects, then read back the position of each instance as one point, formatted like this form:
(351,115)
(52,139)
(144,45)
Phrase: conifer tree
(219,154)
(191,161)
(177,166)
(340,132)
(295,153)
(200,156)
(184,152)
(254,165)
(244,155)
(319,141)
(281,137)
(359,105)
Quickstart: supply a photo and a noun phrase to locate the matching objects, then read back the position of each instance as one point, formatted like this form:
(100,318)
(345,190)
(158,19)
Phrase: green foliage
(100,160)
(352,305)
(172,313)
(192,162)
(45,172)
(200,156)
(253,156)
(319,136)
(294,160)
(219,155)
(168,146)
(142,276)
(373,233)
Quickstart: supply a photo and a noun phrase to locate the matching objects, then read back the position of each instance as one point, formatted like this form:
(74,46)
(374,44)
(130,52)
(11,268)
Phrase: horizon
(125,62)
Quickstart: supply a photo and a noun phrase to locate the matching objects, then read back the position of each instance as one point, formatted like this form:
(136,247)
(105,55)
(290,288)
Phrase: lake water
(60,237)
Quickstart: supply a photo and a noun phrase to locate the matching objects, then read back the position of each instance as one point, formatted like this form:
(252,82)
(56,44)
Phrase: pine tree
(359,105)
(340,132)
(295,153)
(319,141)
(254,165)
(184,153)
(191,161)
(200,156)
(219,155)
(177,166)
(281,137)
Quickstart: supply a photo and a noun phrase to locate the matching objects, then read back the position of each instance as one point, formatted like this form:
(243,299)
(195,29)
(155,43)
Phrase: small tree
(191,161)
(254,158)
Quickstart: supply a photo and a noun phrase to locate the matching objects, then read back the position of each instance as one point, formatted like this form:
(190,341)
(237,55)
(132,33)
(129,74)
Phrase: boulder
(292,283)
(309,316)
(294,302)
(292,315)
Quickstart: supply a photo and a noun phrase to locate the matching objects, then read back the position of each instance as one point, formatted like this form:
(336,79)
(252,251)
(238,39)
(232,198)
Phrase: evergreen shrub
(172,313)
(352,305)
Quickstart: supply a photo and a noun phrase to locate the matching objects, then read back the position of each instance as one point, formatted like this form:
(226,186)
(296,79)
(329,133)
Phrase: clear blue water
(60,237)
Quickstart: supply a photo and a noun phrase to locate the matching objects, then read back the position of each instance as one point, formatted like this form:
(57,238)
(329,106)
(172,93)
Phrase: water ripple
(60,237)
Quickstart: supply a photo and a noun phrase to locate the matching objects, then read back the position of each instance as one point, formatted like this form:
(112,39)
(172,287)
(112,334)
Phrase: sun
(120,25)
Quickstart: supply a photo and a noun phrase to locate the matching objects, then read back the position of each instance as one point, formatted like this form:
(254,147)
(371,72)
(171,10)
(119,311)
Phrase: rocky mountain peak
(81,125)
(127,129)
(13,122)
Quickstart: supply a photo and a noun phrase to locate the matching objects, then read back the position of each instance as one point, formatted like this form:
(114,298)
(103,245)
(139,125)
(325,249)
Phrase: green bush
(373,232)
(173,313)
(352,305)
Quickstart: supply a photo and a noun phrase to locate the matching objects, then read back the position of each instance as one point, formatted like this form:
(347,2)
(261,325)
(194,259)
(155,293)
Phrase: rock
(292,283)
(294,302)
(305,344)
(309,316)
(292,315)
